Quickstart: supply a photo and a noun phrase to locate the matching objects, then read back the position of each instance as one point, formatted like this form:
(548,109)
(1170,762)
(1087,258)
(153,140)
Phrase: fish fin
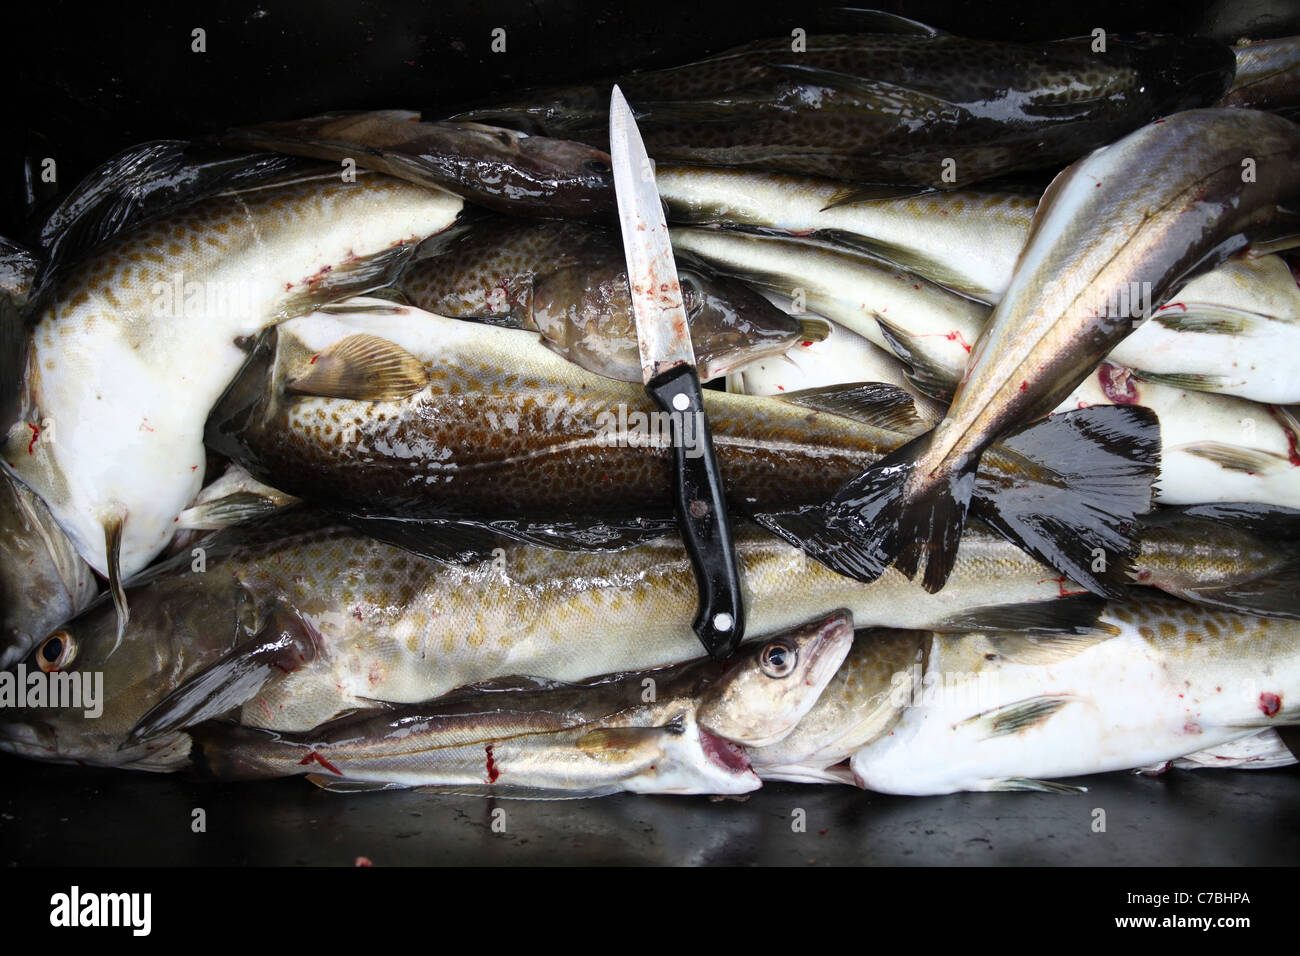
(362,367)
(1233,458)
(879,96)
(1028,784)
(928,375)
(390,301)
(461,541)
(864,20)
(1269,521)
(113,555)
(285,643)
(872,403)
(813,329)
(1210,320)
(354,276)
(15,344)
(1101,464)
(1013,718)
(1034,649)
(1271,595)
(229,510)
(1072,614)
(853,195)
(810,530)
(897,516)
(1290,737)
(912,260)
(1193,381)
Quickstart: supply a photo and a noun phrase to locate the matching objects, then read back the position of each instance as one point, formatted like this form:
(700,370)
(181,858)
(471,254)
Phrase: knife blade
(671,380)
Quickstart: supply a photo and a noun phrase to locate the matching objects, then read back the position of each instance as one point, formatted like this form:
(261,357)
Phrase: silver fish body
(1001,714)
(679,730)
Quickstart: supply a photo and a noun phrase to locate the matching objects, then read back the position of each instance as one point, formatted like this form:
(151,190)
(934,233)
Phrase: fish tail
(884,514)
(1089,473)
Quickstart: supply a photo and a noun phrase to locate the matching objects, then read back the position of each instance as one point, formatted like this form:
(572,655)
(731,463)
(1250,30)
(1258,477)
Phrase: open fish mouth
(730,757)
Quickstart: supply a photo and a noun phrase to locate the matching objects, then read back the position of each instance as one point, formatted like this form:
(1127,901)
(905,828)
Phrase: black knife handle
(702,510)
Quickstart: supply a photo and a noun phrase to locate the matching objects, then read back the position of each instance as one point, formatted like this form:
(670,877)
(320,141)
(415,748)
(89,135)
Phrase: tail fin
(884,514)
(1067,490)
(1092,473)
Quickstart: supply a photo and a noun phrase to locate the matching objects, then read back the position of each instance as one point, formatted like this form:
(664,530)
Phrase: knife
(671,380)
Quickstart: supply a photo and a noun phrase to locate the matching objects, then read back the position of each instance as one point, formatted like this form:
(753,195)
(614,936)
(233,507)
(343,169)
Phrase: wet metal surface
(78,817)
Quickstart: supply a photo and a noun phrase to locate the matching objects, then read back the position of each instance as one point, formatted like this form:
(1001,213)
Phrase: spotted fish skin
(937,111)
(1174,679)
(506,428)
(134,344)
(569,282)
(390,625)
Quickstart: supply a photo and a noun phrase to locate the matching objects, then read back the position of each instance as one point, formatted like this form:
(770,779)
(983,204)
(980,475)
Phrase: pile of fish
(325,450)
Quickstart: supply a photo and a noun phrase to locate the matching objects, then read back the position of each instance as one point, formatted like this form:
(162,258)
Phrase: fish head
(731,325)
(94,688)
(1171,72)
(43,581)
(772,684)
(866,697)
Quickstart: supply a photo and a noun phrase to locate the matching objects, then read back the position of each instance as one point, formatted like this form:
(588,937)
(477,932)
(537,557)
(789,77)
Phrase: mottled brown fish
(568,281)
(940,111)
(394,413)
(498,168)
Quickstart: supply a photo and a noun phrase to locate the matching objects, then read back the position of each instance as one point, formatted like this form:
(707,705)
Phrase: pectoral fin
(285,643)
(1013,718)
(113,550)
(364,368)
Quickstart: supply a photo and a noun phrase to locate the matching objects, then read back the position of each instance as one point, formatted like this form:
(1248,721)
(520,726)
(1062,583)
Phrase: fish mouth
(732,758)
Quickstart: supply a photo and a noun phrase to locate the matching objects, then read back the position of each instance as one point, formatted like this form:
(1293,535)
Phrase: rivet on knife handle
(702,511)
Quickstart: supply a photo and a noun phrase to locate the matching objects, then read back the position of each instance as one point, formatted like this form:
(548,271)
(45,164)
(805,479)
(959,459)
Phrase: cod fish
(105,400)
(539,739)
(892,108)
(1224,332)
(568,281)
(997,713)
(501,169)
(299,618)
(965,240)
(402,415)
(1214,448)
(43,581)
(1117,218)
(1268,76)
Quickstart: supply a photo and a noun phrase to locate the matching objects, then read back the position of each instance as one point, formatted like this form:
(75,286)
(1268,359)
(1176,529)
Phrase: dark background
(94,79)
(87,82)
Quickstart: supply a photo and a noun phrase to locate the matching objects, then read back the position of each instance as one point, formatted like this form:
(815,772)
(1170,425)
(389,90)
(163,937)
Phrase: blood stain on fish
(492,770)
(1270,704)
(36,433)
(313,756)
(1117,384)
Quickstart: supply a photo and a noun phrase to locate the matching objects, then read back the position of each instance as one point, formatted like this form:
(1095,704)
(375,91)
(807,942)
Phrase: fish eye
(596,166)
(56,652)
(778,659)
